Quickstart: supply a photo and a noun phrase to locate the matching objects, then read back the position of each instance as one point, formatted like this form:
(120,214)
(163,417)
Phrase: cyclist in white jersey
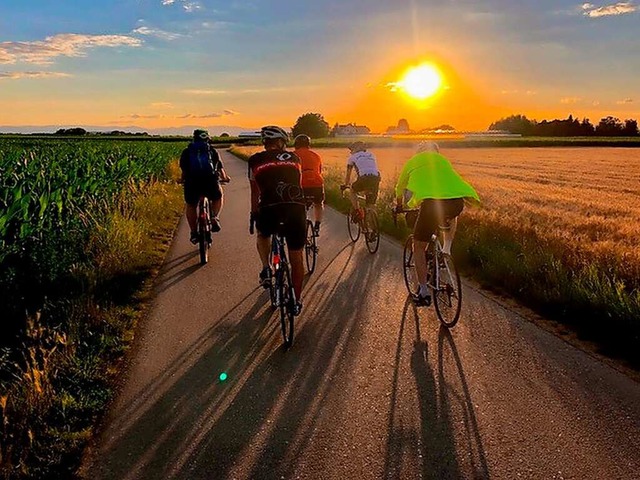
(366,168)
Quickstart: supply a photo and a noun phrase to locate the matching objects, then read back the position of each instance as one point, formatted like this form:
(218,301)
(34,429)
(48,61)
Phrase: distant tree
(610,127)
(76,132)
(403,125)
(630,128)
(514,124)
(444,126)
(224,134)
(312,124)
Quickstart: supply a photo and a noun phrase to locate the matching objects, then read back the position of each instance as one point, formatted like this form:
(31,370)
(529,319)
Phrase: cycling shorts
(433,213)
(194,188)
(314,194)
(368,184)
(293,218)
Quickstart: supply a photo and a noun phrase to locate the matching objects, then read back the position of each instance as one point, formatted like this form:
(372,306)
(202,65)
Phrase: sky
(164,63)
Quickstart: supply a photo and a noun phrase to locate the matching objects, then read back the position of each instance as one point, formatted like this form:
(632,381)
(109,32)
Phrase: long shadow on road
(190,425)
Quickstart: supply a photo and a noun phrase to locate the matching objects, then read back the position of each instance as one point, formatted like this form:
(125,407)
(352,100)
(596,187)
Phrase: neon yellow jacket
(431,175)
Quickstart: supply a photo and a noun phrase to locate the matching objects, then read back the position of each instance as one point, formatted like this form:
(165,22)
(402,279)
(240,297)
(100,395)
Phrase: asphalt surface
(373,387)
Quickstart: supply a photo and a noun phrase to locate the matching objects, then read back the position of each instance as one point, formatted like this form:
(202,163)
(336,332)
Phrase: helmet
(273,132)
(427,146)
(199,134)
(357,146)
(302,140)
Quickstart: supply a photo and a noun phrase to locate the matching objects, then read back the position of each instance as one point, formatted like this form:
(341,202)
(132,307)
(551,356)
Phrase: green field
(83,223)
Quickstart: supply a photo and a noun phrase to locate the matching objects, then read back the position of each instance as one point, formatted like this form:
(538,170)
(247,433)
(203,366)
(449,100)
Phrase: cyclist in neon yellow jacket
(429,182)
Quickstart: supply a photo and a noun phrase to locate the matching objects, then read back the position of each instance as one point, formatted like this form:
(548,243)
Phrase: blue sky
(163,62)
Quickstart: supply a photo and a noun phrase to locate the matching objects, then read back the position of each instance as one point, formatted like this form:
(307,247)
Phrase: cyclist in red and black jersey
(277,197)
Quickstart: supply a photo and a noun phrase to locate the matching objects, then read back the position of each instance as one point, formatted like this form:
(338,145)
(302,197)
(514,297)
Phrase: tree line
(571,127)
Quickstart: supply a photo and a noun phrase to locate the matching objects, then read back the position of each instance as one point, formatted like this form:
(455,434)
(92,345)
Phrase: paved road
(373,387)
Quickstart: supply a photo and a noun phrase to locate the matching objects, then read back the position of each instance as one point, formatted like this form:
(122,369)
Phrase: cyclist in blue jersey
(202,171)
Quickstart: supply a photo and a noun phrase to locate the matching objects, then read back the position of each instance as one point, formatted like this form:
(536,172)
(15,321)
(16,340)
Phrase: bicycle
(442,275)
(366,222)
(281,291)
(310,246)
(203,228)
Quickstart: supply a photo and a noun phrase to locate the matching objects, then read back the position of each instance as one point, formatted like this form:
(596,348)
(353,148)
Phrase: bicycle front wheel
(372,234)
(354,228)
(447,291)
(287,299)
(409,268)
(310,248)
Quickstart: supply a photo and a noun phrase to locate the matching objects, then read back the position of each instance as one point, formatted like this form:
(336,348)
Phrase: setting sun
(421,82)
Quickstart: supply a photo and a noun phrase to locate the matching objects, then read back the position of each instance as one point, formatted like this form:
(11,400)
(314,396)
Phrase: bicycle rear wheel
(354,228)
(287,298)
(447,292)
(372,234)
(310,248)
(409,268)
(204,232)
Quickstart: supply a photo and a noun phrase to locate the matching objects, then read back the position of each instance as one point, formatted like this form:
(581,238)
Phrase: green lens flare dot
(223,377)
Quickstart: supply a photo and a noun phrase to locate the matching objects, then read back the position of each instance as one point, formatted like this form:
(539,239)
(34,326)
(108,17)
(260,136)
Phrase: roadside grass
(594,291)
(53,394)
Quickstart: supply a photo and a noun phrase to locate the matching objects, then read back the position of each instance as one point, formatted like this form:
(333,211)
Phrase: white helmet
(427,146)
(273,132)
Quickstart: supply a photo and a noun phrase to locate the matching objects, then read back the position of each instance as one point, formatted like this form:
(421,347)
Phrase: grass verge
(53,394)
(554,278)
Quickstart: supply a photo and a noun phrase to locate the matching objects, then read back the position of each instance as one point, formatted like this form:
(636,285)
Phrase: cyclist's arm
(255,196)
(348,176)
(223,175)
(401,185)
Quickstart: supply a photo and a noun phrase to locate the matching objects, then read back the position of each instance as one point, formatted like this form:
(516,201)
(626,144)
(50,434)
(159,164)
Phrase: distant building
(349,129)
(401,128)
(255,134)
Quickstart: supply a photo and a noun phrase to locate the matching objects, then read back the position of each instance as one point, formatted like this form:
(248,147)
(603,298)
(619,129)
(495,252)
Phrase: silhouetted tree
(609,127)
(630,128)
(312,124)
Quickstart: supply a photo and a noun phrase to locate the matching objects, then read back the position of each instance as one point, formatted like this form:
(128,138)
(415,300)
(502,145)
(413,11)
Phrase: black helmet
(201,135)
(302,140)
(273,132)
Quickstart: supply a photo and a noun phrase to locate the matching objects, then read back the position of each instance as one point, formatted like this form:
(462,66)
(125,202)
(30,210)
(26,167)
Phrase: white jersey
(365,163)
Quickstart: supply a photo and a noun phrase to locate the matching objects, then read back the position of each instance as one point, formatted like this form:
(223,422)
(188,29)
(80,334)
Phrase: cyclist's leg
(264,227)
(425,226)
(318,206)
(295,235)
(215,201)
(191,198)
(451,209)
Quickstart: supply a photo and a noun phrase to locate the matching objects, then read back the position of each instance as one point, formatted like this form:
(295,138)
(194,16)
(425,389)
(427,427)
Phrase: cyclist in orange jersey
(312,181)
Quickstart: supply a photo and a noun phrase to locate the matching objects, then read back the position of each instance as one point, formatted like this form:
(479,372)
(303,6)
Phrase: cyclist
(368,173)
(429,181)
(312,181)
(202,171)
(276,196)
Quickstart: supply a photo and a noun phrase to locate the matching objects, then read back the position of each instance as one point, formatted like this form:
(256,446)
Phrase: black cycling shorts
(196,187)
(433,213)
(293,218)
(314,194)
(368,184)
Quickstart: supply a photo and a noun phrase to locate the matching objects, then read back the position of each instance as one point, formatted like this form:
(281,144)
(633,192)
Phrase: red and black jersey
(277,174)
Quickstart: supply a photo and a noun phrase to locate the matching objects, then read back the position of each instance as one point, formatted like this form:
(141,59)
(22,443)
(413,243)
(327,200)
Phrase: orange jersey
(311,168)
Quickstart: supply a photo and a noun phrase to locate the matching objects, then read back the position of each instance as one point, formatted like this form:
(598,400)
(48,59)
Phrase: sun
(421,82)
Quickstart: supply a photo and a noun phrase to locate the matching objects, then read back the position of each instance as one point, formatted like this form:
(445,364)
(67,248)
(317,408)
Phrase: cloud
(188,6)
(157,33)
(205,92)
(570,100)
(19,75)
(224,113)
(162,105)
(62,45)
(625,101)
(620,8)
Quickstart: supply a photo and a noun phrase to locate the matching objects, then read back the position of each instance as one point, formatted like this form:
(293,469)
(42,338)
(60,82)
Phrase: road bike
(310,245)
(281,293)
(365,221)
(443,278)
(203,227)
